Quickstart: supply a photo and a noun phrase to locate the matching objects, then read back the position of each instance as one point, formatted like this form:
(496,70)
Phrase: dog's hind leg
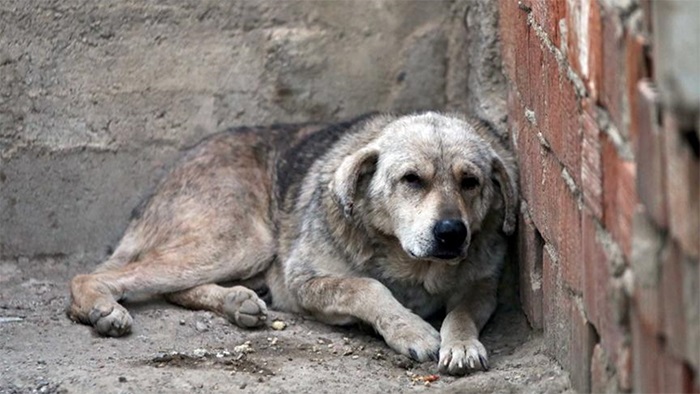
(208,222)
(96,296)
(239,304)
(186,262)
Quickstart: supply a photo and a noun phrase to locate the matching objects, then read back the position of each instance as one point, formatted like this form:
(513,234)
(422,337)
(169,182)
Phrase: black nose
(450,233)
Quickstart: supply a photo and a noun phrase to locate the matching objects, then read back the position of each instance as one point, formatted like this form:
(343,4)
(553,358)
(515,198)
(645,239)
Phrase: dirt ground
(176,350)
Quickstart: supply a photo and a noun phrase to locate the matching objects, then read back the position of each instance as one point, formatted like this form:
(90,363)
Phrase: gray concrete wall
(97,98)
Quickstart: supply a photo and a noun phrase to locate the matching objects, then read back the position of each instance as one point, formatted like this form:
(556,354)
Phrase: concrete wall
(610,221)
(97,98)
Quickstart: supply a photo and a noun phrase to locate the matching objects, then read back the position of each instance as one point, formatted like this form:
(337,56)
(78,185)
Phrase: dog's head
(433,179)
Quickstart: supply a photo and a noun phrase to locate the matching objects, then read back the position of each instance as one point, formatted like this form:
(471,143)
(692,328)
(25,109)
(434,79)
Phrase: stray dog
(384,220)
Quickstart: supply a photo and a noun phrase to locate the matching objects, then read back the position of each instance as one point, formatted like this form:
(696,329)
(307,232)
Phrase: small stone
(200,352)
(182,322)
(244,348)
(278,325)
(200,326)
(122,379)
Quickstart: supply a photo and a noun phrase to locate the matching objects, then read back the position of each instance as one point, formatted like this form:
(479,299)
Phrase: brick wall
(609,227)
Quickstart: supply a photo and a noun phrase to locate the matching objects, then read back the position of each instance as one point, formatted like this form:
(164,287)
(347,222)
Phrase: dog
(384,220)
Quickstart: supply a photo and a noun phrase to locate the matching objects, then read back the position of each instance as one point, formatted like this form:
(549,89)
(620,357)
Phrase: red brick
(683,182)
(655,369)
(528,150)
(530,246)
(635,70)
(569,150)
(594,79)
(591,171)
(568,240)
(512,22)
(650,155)
(522,56)
(675,376)
(572,15)
(550,288)
(601,372)
(624,368)
(534,162)
(547,14)
(553,99)
(598,290)
(612,83)
(647,268)
(553,204)
(580,348)
(550,115)
(560,124)
(556,310)
(647,302)
(596,272)
(691,281)
(646,6)
(646,359)
(540,62)
(619,195)
(672,301)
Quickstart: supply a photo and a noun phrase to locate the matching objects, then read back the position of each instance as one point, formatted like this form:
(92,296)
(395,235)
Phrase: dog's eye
(412,179)
(470,183)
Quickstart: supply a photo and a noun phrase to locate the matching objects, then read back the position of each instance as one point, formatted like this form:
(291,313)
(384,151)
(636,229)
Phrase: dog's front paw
(413,337)
(459,357)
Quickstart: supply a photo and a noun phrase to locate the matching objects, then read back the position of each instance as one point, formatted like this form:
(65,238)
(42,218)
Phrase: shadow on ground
(175,350)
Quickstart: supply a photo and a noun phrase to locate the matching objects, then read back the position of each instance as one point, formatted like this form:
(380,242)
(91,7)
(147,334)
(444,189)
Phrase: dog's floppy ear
(348,175)
(508,187)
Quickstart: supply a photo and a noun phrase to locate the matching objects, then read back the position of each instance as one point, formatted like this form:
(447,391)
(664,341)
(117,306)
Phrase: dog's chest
(419,286)
(416,298)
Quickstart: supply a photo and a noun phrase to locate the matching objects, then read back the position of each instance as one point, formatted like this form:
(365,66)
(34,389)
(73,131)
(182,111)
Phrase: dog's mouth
(451,257)
(447,256)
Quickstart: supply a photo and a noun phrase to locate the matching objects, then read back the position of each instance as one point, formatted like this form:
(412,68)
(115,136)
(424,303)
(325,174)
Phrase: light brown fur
(343,224)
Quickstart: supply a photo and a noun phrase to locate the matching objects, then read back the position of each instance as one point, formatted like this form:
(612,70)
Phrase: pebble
(244,348)
(200,352)
(278,325)
(201,326)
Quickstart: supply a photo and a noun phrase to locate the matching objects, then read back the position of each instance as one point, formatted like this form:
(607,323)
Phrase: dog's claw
(462,357)
(484,363)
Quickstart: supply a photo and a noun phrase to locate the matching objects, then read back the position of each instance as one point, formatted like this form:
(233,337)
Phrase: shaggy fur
(384,220)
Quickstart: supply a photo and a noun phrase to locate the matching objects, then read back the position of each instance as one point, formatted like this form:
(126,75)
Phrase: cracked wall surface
(97,98)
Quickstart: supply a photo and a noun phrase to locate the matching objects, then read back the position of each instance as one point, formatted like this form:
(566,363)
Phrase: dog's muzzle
(450,236)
